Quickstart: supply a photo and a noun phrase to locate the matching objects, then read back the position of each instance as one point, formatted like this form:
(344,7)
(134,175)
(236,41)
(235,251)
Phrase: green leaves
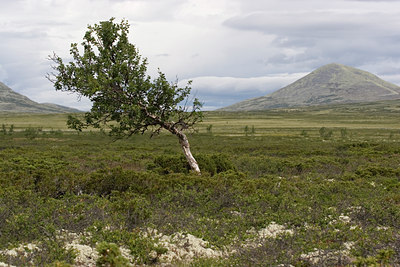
(111,73)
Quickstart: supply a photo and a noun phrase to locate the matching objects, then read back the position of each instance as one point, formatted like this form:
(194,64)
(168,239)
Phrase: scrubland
(300,187)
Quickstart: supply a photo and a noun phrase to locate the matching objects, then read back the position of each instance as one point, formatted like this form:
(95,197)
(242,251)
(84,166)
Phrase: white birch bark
(186,150)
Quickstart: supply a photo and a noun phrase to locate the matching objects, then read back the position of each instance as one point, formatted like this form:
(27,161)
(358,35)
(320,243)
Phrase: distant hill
(11,101)
(330,84)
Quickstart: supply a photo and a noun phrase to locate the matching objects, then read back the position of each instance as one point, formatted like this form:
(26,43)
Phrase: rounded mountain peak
(330,84)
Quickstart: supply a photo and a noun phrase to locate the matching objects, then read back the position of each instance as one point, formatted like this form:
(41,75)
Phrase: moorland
(313,186)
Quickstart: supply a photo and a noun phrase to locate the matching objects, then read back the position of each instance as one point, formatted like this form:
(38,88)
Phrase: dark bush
(212,164)
(104,181)
(165,164)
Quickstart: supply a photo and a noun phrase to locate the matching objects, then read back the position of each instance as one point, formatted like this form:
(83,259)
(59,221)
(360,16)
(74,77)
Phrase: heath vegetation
(309,187)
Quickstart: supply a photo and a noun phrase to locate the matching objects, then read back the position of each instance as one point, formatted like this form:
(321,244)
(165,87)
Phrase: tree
(112,74)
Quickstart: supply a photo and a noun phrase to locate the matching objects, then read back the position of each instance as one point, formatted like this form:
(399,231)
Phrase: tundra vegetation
(286,194)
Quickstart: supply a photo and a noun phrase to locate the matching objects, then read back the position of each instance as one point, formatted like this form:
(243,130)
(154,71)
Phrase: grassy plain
(326,178)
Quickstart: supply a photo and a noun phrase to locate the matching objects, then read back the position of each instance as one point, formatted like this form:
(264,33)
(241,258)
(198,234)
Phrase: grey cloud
(223,91)
(324,37)
(3,73)
(22,35)
(262,39)
(316,24)
(377,1)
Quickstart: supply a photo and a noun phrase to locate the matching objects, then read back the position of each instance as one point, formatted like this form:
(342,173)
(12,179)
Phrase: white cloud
(233,85)
(330,24)
(234,49)
(3,74)
(223,91)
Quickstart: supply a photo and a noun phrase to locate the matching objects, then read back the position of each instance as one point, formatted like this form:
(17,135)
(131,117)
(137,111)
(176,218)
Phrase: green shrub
(373,171)
(304,133)
(53,250)
(144,250)
(57,133)
(104,181)
(382,258)
(165,164)
(215,163)
(343,133)
(209,129)
(31,133)
(134,208)
(59,264)
(4,129)
(110,255)
(212,164)
(325,133)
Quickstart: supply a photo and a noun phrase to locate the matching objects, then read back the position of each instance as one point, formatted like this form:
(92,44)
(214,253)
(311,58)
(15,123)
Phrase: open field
(305,187)
(375,115)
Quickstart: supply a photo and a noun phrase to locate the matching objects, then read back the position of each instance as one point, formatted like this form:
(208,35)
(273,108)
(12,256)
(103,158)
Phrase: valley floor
(299,188)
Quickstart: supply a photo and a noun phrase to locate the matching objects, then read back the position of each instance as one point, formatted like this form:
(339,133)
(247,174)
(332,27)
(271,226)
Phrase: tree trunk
(186,150)
(185,145)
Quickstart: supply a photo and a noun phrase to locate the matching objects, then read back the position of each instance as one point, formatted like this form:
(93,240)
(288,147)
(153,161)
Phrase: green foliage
(4,129)
(325,133)
(383,258)
(56,132)
(336,196)
(169,164)
(126,101)
(135,208)
(211,164)
(104,181)
(110,255)
(32,133)
(53,250)
(248,130)
(112,74)
(209,129)
(59,264)
(144,250)
(304,133)
(215,163)
(343,133)
(206,262)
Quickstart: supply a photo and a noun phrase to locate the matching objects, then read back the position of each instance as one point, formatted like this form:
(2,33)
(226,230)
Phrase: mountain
(329,84)
(11,101)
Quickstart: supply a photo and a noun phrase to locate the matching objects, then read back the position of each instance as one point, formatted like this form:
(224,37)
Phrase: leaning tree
(125,99)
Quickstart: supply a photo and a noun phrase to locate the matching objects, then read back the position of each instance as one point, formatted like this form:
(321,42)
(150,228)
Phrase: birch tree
(125,100)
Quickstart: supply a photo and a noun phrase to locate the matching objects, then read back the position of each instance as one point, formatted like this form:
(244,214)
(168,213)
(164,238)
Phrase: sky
(232,50)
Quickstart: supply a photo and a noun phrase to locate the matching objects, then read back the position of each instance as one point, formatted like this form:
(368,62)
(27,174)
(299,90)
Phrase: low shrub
(165,164)
(32,133)
(104,181)
(134,208)
(144,250)
(212,164)
(325,133)
(110,255)
(53,250)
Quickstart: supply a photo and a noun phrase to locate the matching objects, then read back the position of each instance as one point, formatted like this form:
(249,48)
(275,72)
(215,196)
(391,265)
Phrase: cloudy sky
(231,49)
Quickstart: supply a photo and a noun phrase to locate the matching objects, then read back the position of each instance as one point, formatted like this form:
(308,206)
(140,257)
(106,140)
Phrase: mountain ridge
(330,84)
(13,102)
